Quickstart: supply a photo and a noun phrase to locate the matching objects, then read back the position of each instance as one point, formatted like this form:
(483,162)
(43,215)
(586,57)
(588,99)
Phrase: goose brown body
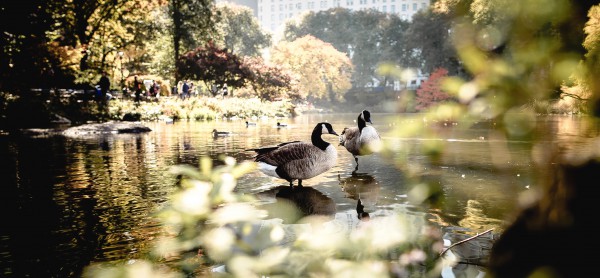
(299,160)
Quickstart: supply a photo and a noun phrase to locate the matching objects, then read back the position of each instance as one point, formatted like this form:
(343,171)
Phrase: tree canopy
(368,37)
(213,64)
(431,93)
(324,72)
(239,31)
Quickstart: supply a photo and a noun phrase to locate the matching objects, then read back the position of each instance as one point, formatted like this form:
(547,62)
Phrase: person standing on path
(137,86)
(185,90)
(225,91)
(104,86)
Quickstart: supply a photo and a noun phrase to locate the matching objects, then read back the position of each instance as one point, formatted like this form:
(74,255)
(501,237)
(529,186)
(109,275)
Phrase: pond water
(70,202)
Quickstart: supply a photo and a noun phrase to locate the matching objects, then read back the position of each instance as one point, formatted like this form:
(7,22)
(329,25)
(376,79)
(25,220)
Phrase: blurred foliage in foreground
(209,224)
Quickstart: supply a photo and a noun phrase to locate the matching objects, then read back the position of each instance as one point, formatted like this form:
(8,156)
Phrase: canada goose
(299,160)
(216,133)
(250,123)
(362,139)
(280,125)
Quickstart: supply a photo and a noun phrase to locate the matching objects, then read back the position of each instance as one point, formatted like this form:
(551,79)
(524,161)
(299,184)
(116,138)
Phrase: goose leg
(299,183)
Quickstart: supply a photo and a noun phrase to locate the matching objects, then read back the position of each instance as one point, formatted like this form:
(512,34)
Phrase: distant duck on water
(250,123)
(280,125)
(216,133)
(299,160)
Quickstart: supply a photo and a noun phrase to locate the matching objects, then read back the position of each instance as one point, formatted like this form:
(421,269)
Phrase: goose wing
(282,153)
(303,160)
(350,139)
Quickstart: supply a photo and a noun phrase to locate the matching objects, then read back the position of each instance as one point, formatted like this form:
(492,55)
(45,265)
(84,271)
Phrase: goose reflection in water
(293,204)
(361,187)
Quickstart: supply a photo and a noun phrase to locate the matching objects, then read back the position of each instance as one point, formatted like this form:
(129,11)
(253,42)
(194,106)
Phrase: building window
(404,7)
(393,8)
(384,8)
(414,6)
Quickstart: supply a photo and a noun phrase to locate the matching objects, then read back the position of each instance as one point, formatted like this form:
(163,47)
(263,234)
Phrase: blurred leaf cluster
(211,227)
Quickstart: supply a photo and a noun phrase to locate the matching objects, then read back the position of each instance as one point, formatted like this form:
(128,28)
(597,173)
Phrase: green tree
(192,25)
(323,71)
(239,31)
(429,38)
(50,43)
(334,26)
(24,59)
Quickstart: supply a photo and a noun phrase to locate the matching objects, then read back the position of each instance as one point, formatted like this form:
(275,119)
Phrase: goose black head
(366,116)
(326,128)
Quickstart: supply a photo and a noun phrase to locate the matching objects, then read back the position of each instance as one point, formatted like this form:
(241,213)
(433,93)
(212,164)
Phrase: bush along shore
(18,112)
(198,109)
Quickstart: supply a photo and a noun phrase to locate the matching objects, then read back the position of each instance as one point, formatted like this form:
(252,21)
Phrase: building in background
(272,14)
(252,4)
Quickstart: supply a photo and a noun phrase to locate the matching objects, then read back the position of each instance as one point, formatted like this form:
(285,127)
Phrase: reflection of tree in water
(477,220)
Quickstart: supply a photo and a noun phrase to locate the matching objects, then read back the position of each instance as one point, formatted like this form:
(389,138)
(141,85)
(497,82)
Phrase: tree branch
(463,241)
(563,94)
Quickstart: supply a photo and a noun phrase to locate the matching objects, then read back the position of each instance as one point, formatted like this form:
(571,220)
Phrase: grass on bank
(41,111)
